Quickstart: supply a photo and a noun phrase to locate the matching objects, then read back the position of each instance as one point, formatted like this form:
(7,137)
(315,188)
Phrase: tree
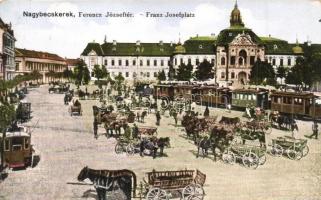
(119,79)
(161,76)
(204,71)
(67,73)
(281,72)
(171,73)
(262,73)
(184,72)
(300,73)
(86,76)
(98,72)
(105,72)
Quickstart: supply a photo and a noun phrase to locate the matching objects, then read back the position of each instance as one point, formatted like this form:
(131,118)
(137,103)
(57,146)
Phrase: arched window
(222,61)
(243,55)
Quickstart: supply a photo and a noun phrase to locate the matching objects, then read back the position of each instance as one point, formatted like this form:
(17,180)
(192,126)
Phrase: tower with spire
(236,18)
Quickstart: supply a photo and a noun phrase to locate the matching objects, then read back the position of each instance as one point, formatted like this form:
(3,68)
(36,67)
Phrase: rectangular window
(148,74)
(105,62)
(189,61)
(141,62)
(281,62)
(289,62)
(148,62)
(127,62)
(162,62)
(232,60)
(155,74)
(169,63)
(222,75)
(119,62)
(252,60)
(134,62)
(26,143)
(212,61)
(182,61)
(155,62)
(7,145)
(197,61)
(112,62)
(273,61)
(175,61)
(127,74)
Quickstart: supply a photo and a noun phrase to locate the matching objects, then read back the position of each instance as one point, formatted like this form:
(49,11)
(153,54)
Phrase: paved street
(66,144)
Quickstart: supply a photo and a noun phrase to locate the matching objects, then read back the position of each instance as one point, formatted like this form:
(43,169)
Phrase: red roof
(37,54)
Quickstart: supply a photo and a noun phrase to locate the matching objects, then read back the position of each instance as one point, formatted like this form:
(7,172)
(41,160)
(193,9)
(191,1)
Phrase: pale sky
(67,37)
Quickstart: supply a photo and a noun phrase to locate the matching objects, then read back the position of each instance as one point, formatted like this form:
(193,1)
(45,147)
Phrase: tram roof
(16,134)
(293,94)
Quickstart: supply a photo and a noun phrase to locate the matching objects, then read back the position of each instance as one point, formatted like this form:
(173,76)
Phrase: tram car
(298,103)
(213,96)
(18,151)
(187,92)
(164,91)
(242,98)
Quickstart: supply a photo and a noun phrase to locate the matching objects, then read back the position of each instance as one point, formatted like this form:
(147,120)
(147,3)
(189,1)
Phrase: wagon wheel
(118,148)
(156,194)
(294,154)
(305,151)
(262,159)
(130,149)
(229,157)
(277,150)
(250,160)
(193,192)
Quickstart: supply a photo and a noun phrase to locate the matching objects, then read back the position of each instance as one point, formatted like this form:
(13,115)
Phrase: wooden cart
(184,184)
(295,149)
(147,131)
(250,156)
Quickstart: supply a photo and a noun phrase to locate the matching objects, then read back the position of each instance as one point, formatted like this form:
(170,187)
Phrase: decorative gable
(243,40)
(92,53)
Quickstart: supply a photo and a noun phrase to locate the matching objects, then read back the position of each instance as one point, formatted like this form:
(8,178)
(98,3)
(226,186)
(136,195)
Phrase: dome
(179,49)
(297,50)
(236,18)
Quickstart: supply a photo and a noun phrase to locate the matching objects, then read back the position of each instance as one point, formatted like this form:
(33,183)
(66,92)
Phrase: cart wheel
(277,150)
(156,194)
(193,192)
(229,157)
(118,148)
(130,149)
(305,151)
(250,160)
(293,154)
(262,159)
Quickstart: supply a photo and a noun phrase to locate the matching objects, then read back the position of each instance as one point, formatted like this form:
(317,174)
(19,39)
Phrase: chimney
(171,43)
(197,35)
(114,42)
(269,35)
(213,34)
(161,42)
(138,42)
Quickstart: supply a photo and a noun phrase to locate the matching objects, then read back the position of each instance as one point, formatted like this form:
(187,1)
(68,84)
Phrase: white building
(232,52)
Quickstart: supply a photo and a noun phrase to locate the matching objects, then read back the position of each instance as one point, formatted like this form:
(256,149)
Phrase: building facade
(7,53)
(43,62)
(232,52)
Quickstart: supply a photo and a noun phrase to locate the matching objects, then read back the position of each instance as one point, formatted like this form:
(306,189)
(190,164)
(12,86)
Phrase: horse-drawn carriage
(295,149)
(58,89)
(183,184)
(75,108)
(250,156)
(147,130)
(23,112)
(160,185)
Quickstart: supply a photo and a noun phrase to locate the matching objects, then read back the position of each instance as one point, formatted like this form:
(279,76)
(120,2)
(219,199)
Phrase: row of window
(288,100)
(189,61)
(232,75)
(281,61)
(142,74)
(141,62)
(43,67)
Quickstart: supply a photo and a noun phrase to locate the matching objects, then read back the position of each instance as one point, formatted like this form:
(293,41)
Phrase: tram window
(254,97)
(298,101)
(7,145)
(241,96)
(16,147)
(26,143)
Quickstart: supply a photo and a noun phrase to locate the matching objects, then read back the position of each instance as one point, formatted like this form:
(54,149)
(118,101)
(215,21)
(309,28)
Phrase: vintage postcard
(160,99)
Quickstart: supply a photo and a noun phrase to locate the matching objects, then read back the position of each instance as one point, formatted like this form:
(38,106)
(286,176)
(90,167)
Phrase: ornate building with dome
(232,53)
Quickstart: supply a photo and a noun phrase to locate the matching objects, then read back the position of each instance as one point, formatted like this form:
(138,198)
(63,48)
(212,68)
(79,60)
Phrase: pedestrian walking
(158,118)
(95,125)
(315,129)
